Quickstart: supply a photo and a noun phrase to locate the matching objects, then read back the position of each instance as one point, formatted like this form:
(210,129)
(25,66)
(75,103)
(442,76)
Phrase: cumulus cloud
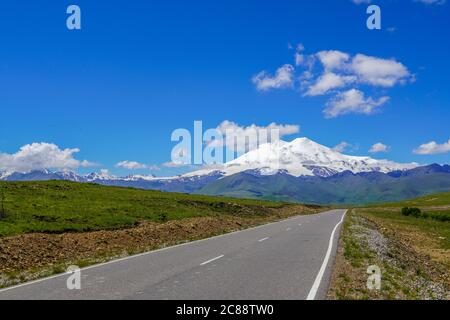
(337,73)
(299,59)
(379,147)
(172,164)
(283,78)
(341,147)
(433,148)
(327,82)
(134,165)
(379,72)
(352,101)
(421,1)
(39,156)
(234,132)
(361,1)
(431,1)
(177,164)
(333,59)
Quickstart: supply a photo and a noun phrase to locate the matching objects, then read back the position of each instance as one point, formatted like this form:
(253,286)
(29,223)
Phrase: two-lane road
(290,259)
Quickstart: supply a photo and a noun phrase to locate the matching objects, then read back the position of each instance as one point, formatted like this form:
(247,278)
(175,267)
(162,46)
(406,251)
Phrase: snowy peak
(304,157)
(139,177)
(99,176)
(300,157)
(71,176)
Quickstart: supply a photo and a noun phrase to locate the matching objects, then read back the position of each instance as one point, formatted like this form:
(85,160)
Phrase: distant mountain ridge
(341,188)
(301,170)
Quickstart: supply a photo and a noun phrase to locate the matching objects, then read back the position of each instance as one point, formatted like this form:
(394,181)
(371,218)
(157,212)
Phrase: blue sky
(117,89)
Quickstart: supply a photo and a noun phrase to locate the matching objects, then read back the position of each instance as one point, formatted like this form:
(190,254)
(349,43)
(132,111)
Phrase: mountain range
(301,170)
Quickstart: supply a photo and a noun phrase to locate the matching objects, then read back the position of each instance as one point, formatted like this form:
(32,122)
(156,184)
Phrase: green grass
(61,206)
(434,228)
(434,222)
(353,250)
(439,199)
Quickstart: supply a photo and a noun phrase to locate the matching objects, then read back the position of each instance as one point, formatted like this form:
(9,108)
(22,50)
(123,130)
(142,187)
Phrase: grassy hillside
(61,206)
(341,189)
(439,199)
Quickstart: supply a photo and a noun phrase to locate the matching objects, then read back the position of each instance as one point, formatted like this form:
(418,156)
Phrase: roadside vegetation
(47,226)
(409,241)
(60,206)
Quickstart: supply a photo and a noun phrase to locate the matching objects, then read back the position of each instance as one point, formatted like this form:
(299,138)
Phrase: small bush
(415,212)
(405,211)
(443,217)
(2,205)
(162,217)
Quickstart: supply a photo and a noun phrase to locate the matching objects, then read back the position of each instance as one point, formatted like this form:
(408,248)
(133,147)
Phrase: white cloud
(333,59)
(341,147)
(352,101)
(300,47)
(361,1)
(172,164)
(379,72)
(134,165)
(431,1)
(283,79)
(422,1)
(336,73)
(327,82)
(299,59)
(433,148)
(39,156)
(231,130)
(379,147)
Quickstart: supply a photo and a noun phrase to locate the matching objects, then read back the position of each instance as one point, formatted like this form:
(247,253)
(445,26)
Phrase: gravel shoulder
(406,273)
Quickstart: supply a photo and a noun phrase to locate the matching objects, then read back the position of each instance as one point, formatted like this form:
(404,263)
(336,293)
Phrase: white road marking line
(288,229)
(213,259)
(263,239)
(312,293)
(299,224)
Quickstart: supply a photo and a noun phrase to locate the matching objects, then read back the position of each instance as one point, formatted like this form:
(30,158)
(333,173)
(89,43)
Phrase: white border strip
(316,285)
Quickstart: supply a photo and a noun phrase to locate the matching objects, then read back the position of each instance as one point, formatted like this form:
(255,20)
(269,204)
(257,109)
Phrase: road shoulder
(33,256)
(405,273)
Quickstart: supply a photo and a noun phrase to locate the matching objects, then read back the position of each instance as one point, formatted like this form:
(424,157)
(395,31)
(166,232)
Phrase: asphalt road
(290,259)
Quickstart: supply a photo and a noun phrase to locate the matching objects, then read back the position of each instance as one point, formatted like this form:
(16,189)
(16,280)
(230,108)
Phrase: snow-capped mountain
(99,176)
(301,170)
(302,157)
(5,174)
(139,177)
(71,176)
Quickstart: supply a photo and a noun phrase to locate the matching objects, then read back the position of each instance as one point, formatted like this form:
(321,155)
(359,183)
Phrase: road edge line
(313,292)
